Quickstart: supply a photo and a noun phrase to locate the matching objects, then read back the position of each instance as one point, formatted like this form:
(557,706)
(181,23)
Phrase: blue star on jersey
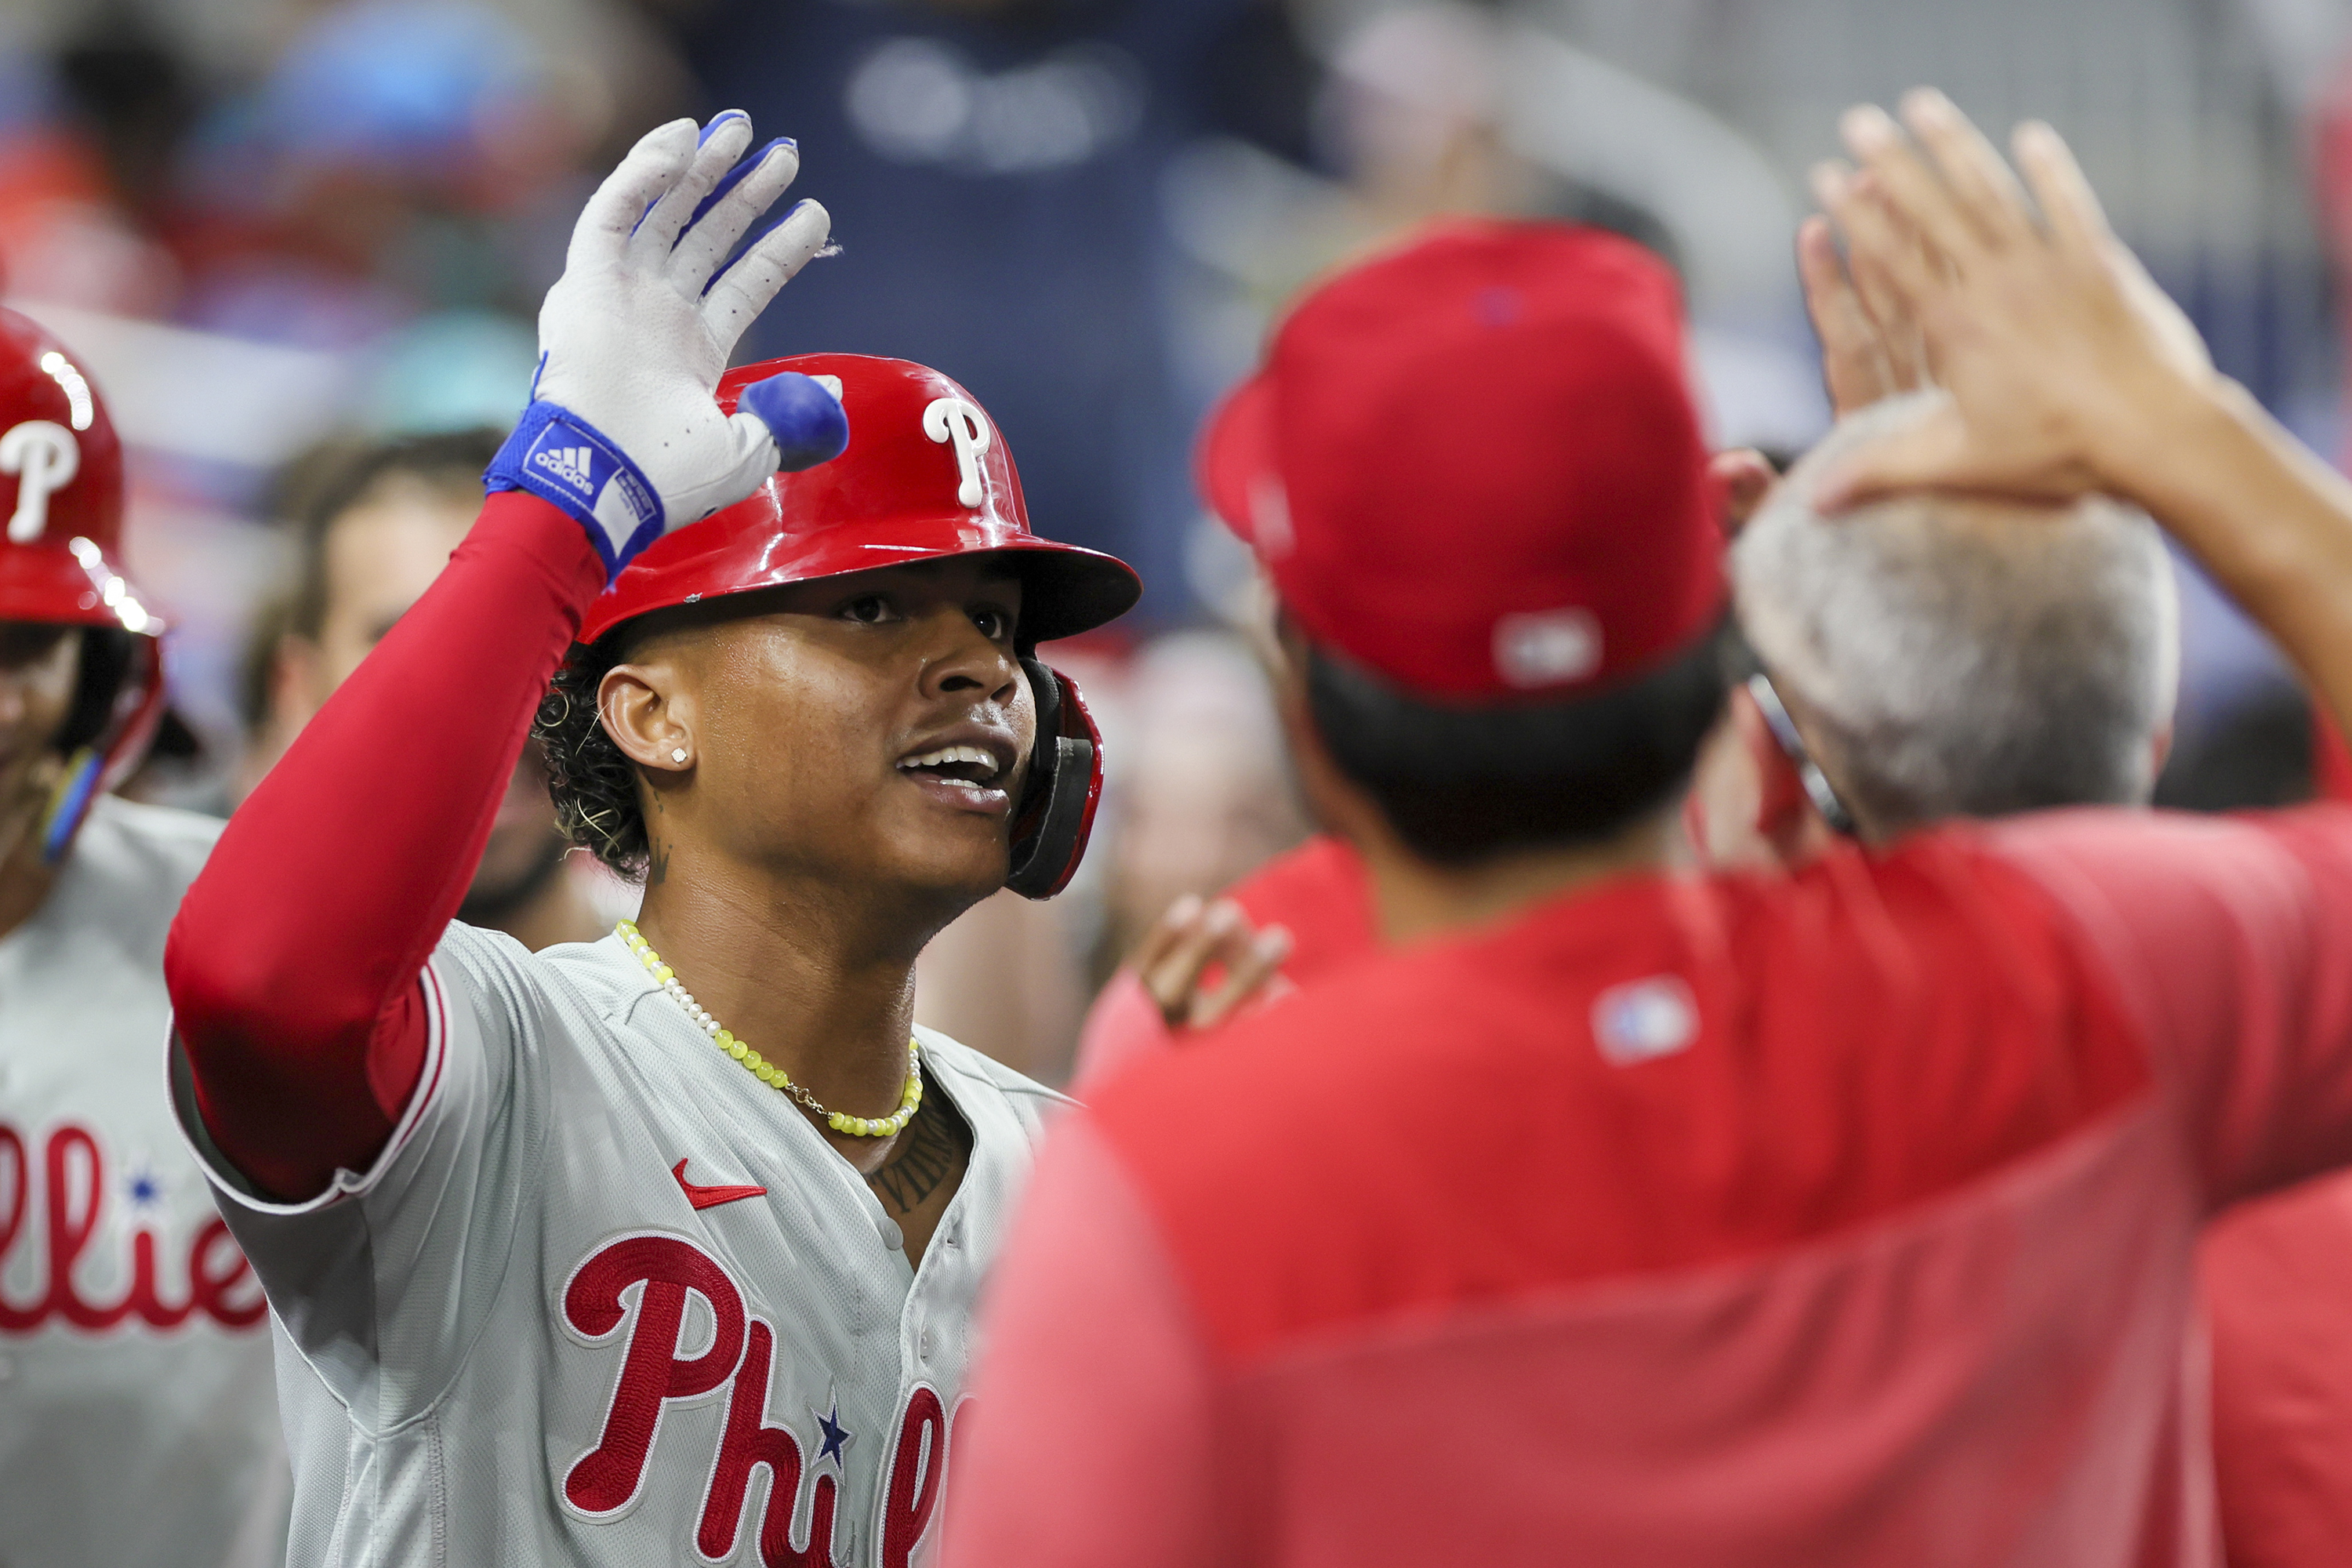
(836,1436)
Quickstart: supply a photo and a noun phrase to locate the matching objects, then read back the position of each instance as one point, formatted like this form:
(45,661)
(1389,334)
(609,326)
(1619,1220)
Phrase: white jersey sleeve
(406,1253)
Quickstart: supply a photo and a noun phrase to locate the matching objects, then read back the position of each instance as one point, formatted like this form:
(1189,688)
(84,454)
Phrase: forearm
(2270,521)
(293,962)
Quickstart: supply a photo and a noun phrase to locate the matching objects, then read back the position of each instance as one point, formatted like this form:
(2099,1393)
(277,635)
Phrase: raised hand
(625,431)
(1870,348)
(1194,936)
(2061,357)
(2070,372)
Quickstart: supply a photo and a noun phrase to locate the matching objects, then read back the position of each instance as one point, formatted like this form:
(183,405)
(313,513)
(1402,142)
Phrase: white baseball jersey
(606,1298)
(137,1425)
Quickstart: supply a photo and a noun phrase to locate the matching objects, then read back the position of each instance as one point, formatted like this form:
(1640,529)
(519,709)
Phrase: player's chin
(961,854)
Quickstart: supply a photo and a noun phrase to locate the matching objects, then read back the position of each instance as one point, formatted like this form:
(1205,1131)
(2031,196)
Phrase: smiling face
(871,730)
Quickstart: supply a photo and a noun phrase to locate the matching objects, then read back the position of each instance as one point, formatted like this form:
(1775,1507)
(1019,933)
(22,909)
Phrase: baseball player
(1311,908)
(660,1249)
(136,1420)
(1641,1216)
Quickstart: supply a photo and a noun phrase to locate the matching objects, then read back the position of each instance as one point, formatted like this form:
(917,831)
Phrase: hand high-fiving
(2059,352)
(625,431)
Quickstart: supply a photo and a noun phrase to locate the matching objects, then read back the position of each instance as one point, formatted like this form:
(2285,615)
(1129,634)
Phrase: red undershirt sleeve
(1089,1434)
(294,960)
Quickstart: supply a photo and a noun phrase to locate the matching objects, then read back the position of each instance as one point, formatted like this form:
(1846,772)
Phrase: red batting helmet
(60,554)
(926,475)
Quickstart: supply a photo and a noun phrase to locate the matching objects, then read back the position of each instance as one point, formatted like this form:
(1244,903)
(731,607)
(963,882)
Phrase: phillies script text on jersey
(608,1479)
(608,1300)
(54,1207)
(138,1416)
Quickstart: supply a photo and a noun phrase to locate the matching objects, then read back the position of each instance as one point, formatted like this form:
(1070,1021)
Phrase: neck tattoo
(919,1163)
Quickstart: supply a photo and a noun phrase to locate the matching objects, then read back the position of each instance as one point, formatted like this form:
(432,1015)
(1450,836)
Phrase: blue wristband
(564,461)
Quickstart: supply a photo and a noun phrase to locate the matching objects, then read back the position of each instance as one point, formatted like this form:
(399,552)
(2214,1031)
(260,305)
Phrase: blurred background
(281,231)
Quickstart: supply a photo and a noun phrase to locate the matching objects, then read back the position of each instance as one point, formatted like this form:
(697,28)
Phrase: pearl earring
(677,754)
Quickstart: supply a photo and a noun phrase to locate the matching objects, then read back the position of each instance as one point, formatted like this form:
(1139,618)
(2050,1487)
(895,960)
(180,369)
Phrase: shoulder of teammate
(1122,1025)
(172,831)
(128,869)
(1666,1025)
(1321,894)
(2227,940)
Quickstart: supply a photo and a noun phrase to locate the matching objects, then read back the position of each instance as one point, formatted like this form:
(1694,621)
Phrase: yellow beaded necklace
(768,1072)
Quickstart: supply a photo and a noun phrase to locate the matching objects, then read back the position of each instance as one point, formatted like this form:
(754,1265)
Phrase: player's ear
(648,716)
(1737,481)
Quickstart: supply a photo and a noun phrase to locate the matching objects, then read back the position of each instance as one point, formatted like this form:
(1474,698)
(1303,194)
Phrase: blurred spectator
(1204,794)
(1406,123)
(392,164)
(1439,106)
(993,168)
(1006,979)
(373,528)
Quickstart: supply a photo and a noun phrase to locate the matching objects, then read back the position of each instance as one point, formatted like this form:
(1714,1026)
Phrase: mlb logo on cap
(1474,465)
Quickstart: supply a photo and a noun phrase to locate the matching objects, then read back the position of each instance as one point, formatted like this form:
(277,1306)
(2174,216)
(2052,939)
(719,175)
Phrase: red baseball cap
(1474,465)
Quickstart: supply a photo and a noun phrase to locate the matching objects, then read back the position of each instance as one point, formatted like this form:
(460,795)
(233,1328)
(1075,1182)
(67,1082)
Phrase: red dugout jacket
(1845,1218)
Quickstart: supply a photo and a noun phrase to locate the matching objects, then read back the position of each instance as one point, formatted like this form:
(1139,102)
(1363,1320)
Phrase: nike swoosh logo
(704,1197)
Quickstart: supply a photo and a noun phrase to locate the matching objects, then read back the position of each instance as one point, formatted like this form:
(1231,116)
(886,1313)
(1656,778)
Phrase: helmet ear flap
(135,710)
(1056,813)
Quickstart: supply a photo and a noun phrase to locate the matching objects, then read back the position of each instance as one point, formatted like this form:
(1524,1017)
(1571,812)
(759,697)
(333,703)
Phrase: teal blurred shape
(452,370)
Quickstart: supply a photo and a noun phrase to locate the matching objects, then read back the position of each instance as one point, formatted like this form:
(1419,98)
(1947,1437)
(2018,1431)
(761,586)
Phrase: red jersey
(1320,892)
(2276,1277)
(1844,1219)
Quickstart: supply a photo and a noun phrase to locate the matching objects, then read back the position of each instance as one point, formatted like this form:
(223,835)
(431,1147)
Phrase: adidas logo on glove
(575,465)
(566,461)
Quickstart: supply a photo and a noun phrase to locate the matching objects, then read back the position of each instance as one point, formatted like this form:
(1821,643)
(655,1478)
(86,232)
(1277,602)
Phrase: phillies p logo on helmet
(958,420)
(45,456)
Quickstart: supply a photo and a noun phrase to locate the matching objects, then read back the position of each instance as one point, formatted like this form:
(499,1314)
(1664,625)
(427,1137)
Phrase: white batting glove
(623,431)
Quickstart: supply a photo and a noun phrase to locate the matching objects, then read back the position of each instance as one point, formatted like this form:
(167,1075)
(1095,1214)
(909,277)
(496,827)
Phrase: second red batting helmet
(61,549)
(926,475)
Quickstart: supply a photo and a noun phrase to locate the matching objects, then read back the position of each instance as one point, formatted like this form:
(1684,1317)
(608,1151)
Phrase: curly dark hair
(593,783)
